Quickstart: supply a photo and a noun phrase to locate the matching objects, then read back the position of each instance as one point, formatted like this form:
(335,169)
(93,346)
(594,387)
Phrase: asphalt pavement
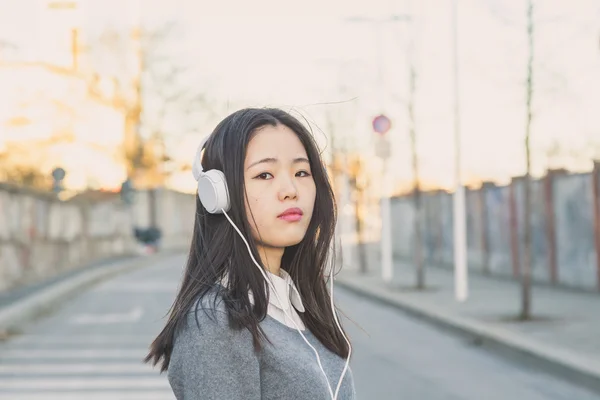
(91,346)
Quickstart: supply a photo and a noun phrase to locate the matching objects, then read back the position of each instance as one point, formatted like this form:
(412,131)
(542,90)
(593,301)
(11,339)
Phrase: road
(91,348)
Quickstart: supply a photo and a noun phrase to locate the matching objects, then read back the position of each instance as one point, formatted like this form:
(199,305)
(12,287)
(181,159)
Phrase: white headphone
(214,196)
(212,187)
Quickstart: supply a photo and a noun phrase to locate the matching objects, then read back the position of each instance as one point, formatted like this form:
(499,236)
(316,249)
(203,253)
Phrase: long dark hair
(216,248)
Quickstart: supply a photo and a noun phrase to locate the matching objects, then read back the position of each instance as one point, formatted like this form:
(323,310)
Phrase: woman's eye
(265,175)
(303,173)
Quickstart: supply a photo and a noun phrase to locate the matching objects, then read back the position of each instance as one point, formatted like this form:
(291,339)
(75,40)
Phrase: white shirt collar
(286,289)
(284,285)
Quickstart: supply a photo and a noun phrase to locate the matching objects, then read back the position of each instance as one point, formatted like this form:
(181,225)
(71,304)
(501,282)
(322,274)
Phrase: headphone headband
(197,169)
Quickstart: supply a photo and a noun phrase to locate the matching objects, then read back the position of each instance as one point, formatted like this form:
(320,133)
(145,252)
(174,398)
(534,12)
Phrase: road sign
(381,124)
(58,174)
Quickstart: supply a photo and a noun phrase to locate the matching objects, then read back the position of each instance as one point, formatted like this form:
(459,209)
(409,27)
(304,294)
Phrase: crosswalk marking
(80,369)
(56,360)
(85,395)
(82,339)
(70,353)
(80,373)
(138,287)
(71,383)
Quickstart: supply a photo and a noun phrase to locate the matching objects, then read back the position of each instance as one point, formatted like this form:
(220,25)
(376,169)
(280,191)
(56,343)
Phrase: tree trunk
(526,270)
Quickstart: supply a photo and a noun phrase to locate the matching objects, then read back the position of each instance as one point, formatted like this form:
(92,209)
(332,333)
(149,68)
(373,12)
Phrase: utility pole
(460,229)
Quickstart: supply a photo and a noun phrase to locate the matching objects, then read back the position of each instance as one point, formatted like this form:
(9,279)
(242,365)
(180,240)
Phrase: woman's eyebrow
(272,160)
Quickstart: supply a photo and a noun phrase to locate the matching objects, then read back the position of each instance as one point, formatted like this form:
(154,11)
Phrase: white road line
(123,384)
(77,369)
(108,318)
(73,354)
(104,395)
(139,287)
(115,338)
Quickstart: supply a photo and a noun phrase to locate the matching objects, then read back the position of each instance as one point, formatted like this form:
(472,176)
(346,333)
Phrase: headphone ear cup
(212,191)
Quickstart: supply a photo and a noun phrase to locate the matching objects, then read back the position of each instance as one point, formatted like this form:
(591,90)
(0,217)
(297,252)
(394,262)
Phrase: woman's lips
(291,214)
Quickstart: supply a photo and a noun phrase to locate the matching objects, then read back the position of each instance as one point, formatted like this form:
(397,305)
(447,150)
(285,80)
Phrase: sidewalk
(20,306)
(563,338)
(13,295)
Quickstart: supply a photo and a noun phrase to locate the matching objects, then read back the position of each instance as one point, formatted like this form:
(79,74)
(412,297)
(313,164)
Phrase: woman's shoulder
(208,308)
(204,342)
(207,324)
(211,299)
(208,314)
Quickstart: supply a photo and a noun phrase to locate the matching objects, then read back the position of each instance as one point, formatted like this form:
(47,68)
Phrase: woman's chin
(287,242)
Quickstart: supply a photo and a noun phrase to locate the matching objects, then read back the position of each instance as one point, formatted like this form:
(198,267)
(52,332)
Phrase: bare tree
(166,104)
(25,175)
(526,271)
(17,168)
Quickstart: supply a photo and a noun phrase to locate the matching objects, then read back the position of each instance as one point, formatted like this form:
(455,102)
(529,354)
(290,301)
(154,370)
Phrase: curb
(17,314)
(563,364)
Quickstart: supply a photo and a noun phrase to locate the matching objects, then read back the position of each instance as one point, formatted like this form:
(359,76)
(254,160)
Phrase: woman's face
(280,190)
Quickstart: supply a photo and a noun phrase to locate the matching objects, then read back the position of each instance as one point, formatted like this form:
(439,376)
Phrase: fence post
(437,222)
(485,226)
(551,223)
(514,227)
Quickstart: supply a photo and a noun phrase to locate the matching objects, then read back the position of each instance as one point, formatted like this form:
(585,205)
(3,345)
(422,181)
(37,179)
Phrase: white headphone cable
(345,338)
(334,397)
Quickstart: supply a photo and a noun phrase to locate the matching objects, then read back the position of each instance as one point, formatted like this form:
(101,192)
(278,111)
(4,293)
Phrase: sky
(292,56)
(310,57)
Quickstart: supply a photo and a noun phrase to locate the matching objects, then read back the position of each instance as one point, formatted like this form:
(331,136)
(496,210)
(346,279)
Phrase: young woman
(253,318)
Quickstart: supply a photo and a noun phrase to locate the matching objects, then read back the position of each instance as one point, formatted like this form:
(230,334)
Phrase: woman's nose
(287,189)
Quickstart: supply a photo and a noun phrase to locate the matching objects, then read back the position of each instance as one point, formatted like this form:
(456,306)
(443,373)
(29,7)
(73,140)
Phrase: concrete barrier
(41,236)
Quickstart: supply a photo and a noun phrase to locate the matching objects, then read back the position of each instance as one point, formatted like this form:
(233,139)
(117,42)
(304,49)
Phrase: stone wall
(41,236)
